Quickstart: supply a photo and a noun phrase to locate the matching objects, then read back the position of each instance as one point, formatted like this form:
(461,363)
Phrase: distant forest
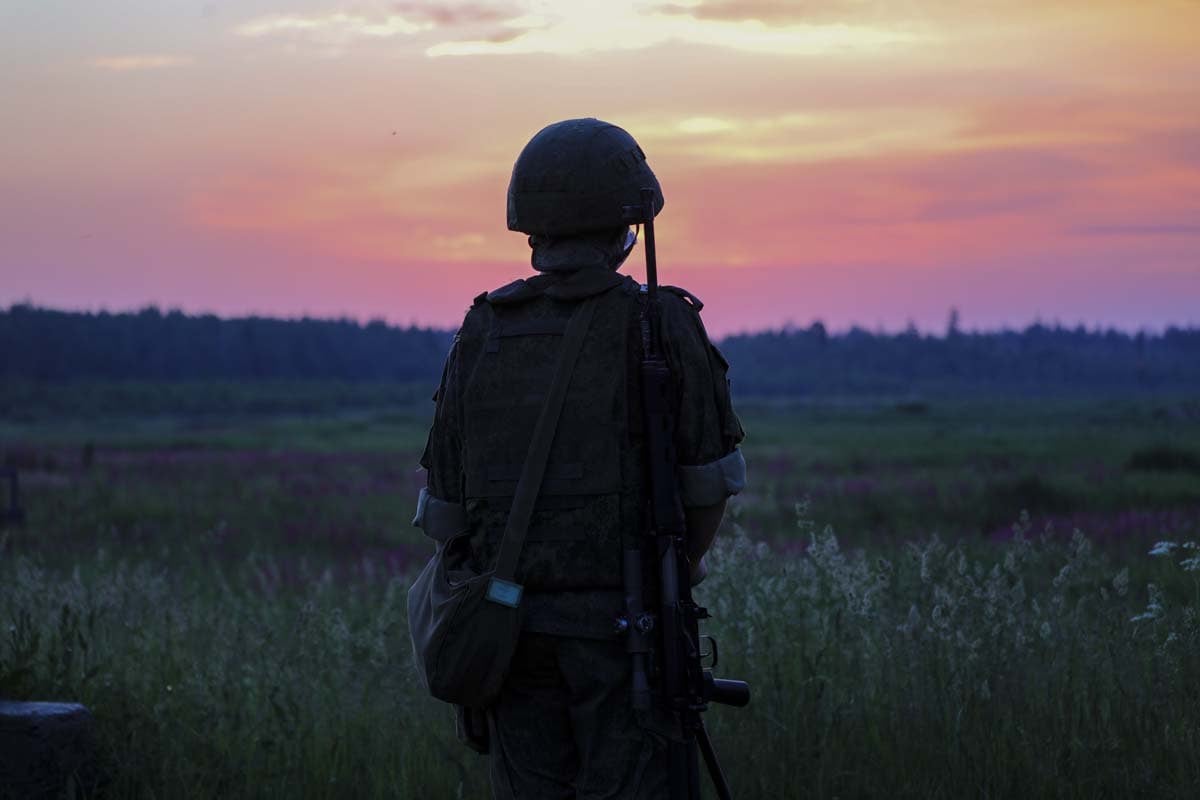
(44,345)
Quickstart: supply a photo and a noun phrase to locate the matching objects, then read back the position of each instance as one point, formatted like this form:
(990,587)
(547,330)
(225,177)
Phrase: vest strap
(534,468)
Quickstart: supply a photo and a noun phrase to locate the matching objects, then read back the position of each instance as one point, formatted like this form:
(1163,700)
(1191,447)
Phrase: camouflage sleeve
(707,429)
(439,507)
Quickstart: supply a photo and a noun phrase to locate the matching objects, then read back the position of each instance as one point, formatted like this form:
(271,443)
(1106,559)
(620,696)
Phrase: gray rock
(47,750)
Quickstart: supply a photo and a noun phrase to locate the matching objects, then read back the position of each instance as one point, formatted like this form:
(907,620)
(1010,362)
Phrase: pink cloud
(453,14)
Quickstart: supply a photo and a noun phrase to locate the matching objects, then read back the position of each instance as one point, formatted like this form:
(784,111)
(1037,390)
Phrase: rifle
(664,645)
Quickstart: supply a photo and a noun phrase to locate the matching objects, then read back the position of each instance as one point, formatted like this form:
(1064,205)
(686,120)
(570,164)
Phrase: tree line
(1036,360)
(47,345)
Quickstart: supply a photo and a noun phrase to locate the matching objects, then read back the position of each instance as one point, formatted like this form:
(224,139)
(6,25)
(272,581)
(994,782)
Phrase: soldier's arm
(702,525)
(439,508)
(705,489)
(708,431)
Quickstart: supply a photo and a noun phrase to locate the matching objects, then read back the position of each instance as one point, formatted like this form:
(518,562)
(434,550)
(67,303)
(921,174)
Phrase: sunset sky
(853,161)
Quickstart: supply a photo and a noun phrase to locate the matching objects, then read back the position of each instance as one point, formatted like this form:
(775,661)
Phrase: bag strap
(501,588)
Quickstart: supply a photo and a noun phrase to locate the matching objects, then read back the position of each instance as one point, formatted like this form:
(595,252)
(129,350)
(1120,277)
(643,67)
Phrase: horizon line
(786,327)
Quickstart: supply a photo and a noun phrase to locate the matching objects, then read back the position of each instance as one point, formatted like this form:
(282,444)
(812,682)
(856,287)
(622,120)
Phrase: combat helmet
(575,177)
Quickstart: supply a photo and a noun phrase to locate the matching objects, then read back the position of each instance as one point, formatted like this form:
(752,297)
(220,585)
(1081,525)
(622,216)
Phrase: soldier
(563,726)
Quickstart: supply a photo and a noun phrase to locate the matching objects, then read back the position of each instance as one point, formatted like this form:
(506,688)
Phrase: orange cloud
(618,25)
(370,208)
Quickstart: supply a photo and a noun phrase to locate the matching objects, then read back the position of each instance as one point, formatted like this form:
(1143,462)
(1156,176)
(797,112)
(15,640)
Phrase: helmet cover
(577,176)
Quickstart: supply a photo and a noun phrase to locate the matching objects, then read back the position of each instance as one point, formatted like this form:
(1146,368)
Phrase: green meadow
(929,598)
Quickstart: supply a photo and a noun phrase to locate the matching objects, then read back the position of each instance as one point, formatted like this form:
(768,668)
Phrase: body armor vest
(591,494)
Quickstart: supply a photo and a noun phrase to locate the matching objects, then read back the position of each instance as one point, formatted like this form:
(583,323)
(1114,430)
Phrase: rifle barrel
(651,260)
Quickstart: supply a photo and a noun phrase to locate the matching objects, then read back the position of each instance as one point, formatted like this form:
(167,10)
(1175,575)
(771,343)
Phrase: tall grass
(1032,667)
(225,683)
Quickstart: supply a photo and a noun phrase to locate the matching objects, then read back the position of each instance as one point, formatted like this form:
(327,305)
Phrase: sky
(860,162)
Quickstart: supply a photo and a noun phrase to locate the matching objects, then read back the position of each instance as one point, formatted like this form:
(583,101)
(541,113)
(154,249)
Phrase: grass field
(225,589)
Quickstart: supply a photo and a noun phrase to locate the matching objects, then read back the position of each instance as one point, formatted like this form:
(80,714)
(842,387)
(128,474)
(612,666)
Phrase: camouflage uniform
(563,726)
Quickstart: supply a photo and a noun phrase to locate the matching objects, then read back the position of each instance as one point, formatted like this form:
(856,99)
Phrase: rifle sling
(534,468)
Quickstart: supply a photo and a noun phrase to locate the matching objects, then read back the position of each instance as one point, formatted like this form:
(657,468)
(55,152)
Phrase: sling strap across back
(502,589)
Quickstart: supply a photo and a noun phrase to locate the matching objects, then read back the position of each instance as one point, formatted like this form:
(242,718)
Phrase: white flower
(1163,548)
(1154,607)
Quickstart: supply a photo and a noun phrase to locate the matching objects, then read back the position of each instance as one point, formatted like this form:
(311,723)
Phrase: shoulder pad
(686,295)
(479,298)
(507,292)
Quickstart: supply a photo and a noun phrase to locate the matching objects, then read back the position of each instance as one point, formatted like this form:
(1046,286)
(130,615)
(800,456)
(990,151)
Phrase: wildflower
(1154,608)
(1163,548)
(1062,577)
(912,622)
(1120,582)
